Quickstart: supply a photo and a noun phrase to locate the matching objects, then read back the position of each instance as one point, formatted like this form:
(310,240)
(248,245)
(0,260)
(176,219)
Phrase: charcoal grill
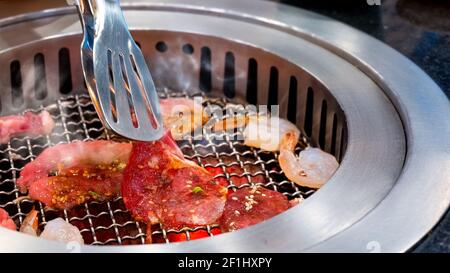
(376,111)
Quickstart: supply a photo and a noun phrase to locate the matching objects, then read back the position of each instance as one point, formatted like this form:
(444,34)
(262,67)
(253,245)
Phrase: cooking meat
(30,224)
(182,115)
(67,175)
(250,206)
(27,124)
(62,231)
(161,186)
(6,221)
(311,168)
(264,132)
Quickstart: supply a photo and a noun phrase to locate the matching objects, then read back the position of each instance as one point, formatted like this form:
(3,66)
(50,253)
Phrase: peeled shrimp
(30,223)
(266,133)
(312,168)
(59,230)
(182,115)
(270,133)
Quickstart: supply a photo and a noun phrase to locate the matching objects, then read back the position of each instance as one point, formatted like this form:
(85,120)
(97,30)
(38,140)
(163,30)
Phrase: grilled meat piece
(27,124)
(6,221)
(67,175)
(250,206)
(161,186)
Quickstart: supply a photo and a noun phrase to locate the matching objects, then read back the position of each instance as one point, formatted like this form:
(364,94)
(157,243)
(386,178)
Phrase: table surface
(419,31)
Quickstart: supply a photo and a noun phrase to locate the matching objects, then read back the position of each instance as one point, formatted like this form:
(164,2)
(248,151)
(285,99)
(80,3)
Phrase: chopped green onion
(94,194)
(197,190)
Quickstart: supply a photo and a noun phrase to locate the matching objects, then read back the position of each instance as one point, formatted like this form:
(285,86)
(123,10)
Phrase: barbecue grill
(350,94)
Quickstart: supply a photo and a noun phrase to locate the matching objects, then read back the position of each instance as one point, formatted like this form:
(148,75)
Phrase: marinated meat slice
(76,186)
(6,221)
(70,174)
(27,124)
(250,206)
(161,186)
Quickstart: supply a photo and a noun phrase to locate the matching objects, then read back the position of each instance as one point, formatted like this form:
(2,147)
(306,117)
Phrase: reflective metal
(393,183)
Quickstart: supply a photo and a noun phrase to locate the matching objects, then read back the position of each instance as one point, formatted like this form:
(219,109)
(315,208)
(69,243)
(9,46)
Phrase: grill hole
(333,135)
(323,124)
(273,88)
(292,102)
(205,69)
(16,84)
(309,111)
(65,74)
(229,77)
(188,49)
(252,79)
(161,47)
(40,82)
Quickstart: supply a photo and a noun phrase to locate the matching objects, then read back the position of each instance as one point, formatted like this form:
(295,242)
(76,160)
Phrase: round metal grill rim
(412,116)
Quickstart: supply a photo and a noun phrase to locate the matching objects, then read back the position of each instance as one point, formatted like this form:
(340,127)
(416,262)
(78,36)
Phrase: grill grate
(109,222)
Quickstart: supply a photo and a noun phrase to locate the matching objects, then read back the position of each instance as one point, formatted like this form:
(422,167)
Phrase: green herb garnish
(94,194)
(197,190)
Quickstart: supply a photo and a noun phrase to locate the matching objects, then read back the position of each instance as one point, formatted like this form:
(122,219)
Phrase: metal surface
(375,197)
(117,77)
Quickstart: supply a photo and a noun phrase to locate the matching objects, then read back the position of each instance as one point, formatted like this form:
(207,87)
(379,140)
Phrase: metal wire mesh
(110,222)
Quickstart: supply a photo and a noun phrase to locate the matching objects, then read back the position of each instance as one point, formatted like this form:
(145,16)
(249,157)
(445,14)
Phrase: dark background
(419,29)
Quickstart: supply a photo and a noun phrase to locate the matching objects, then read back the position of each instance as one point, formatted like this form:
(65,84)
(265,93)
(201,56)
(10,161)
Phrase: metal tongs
(117,77)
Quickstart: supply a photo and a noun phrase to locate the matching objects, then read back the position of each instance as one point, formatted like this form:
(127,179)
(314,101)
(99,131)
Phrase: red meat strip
(6,221)
(250,206)
(67,175)
(161,186)
(28,124)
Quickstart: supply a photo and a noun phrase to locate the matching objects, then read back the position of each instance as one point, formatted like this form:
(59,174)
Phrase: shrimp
(62,231)
(56,229)
(30,223)
(312,168)
(266,133)
(182,115)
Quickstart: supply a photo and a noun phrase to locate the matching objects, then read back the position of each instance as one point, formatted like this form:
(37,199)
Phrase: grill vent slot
(205,70)
(252,80)
(342,146)
(65,74)
(229,76)
(309,111)
(40,79)
(273,88)
(292,102)
(323,124)
(333,135)
(16,84)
